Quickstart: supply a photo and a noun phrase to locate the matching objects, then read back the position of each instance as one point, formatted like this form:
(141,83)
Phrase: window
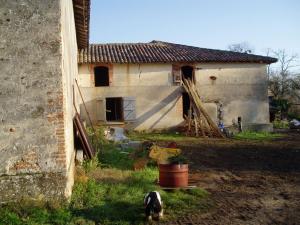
(120,109)
(101,75)
(114,109)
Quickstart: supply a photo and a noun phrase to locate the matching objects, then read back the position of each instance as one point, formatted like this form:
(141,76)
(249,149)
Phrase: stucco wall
(158,104)
(240,89)
(125,75)
(34,94)
(69,74)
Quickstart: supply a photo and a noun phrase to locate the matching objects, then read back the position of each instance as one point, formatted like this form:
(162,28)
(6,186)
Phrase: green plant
(178,159)
(282,106)
(90,164)
(97,137)
(293,115)
(111,156)
(280,124)
(34,212)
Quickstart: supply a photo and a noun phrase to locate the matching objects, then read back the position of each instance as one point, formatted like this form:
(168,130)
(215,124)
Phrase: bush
(280,124)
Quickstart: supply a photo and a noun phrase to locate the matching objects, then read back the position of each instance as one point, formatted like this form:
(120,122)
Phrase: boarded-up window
(129,108)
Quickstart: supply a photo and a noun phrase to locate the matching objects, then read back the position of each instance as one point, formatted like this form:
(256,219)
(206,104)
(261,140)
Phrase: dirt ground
(250,182)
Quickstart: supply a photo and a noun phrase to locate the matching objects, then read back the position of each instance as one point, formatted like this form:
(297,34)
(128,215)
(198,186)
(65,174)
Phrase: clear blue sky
(205,23)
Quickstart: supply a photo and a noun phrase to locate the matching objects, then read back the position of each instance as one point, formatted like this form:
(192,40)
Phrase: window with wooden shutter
(129,108)
(176,71)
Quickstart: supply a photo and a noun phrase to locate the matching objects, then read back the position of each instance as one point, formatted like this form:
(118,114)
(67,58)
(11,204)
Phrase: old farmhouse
(139,85)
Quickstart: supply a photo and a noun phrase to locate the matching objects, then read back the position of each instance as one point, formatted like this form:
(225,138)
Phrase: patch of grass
(163,136)
(258,136)
(34,213)
(113,157)
(114,193)
(120,200)
(107,191)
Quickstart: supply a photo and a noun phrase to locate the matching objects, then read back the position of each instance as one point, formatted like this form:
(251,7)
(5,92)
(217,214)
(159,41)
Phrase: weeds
(280,124)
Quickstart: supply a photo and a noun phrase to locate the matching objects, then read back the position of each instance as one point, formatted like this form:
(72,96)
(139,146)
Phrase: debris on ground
(162,155)
(131,145)
(115,134)
(294,124)
(79,156)
(149,151)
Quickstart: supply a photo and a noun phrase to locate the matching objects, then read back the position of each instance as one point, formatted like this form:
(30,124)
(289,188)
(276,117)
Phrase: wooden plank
(87,147)
(195,98)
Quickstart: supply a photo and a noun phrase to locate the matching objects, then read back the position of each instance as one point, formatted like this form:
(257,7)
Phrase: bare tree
(282,81)
(242,47)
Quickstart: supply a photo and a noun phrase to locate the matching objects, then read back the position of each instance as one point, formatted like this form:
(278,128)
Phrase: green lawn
(257,136)
(107,191)
(163,136)
(177,137)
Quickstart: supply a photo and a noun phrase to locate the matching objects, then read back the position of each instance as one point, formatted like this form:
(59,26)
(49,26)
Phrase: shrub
(280,124)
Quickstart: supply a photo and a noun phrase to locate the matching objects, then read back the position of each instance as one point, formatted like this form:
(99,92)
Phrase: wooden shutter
(176,72)
(129,108)
(100,109)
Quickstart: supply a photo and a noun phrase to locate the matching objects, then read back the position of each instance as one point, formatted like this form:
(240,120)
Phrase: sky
(213,24)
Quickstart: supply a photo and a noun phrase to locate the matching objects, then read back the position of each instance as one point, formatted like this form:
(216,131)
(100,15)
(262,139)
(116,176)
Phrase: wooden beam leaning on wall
(201,120)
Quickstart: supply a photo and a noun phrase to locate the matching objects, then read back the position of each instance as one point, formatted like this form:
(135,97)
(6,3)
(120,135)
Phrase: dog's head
(153,205)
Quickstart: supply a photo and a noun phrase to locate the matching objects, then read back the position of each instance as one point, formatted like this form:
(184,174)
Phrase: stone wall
(34,120)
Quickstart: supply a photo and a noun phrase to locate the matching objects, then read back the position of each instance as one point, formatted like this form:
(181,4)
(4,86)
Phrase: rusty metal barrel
(173,175)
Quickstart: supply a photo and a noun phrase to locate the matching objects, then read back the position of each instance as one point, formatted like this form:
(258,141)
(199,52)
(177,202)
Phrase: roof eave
(82,20)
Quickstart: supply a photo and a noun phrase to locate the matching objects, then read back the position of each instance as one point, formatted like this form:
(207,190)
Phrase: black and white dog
(153,206)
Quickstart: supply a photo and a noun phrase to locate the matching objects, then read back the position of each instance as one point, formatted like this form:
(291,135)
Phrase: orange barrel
(173,175)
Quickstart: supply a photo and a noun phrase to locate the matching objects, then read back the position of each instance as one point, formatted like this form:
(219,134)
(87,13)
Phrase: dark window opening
(187,72)
(101,76)
(185,104)
(114,110)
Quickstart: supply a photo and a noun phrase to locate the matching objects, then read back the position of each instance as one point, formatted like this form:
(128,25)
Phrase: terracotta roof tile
(161,52)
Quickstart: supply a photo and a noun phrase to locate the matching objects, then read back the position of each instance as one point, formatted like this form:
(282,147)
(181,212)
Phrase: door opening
(187,72)
(185,104)
(114,110)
